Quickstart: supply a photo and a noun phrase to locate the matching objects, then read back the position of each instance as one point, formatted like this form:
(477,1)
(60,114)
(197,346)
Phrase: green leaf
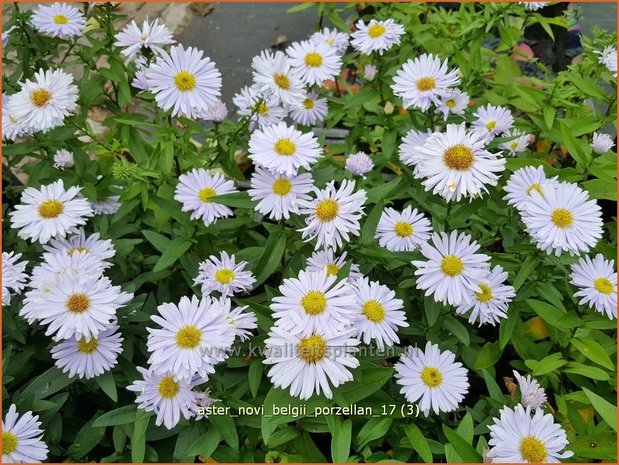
(493,388)
(601,189)
(593,351)
(488,356)
(368,230)
(119,416)
(300,7)
(586,370)
(271,257)
(525,270)
(254,376)
(464,449)
(573,145)
(605,409)
(388,143)
(235,199)
(419,442)
(159,241)
(546,365)
(382,190)
(138,439)
(87,438)
(341,437)
(205,444)
(456,328)
(226,427)
(46,384)
(466,429)
(375,428)
(177,248)
(108,385)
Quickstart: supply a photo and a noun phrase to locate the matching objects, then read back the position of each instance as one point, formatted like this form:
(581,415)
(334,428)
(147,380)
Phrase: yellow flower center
(61,19)
(308,103)
(206,193)
(562,218)
(535,187)
(224,275)
(374,311)
(262,109)
(533,450)
(50,209)
(403,229)
(514,145)
(9,443)
(451,265)
(185,81)
(450,103)
(87,347)
(312,348)
(314,303)
(188,337)
(281,80)
(333,269)
(285,147)
(426,83)
(603,285)
(376,30)
(40,97)
(431,377)
(490,126)
(168,388)
(77,303)
(313,59)
(282,186)
(327,210)
(78,248)
(486,293)
(144,37)
(459,157)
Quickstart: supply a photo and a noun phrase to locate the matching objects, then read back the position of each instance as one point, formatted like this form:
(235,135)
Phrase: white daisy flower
(531,393)
(192,337)
(314,62)
(11,129)
(311,362)
(22,438)
(332,37)
(204,400)
(489,303)
(6,36)
(43,103)
(597,281)
(421,81)
(561,218)
(608,57)
(166,395)
(13,276)
(432,378)
(523,182)
(518,144)
(275,78)
(106,205)
(314,301)
(217,112)
(534,6)
(518,437)
(195,189)
(59,20)
(224,275)
(242,323)
(262,113)
(184,81)
(283,149)
(153,35)
(602,143)
(402,231)
(492,121)
(277,194)
(312,111)
(89,358)
(55,266)
(63,159)
(452,102)
(78,306)
(453,268)
(327,262)
(379,313)
(333,215)
(455,164)
(408,150)
(359,163)
(140,80)
(369,72)
(49,212)
(376,36)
